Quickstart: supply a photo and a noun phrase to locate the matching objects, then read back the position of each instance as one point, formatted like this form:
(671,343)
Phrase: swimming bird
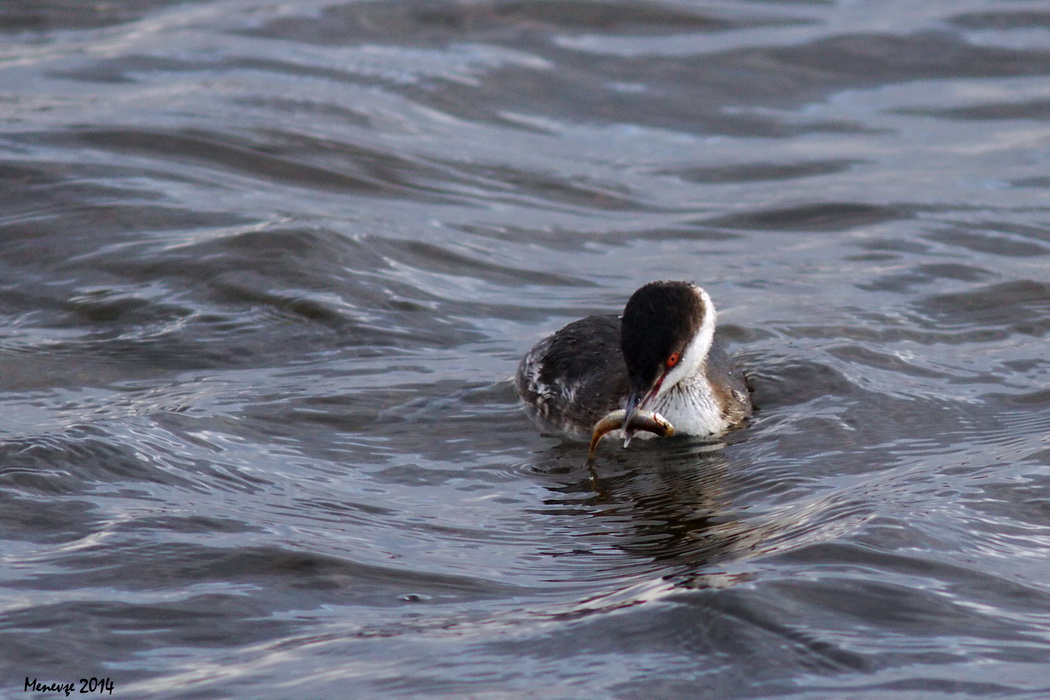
(660,357)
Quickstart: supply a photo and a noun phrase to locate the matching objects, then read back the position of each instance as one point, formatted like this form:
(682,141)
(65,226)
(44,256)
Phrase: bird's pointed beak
(631,407)
(637,401)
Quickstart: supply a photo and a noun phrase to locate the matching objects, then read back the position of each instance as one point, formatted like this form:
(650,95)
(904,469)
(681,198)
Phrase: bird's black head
(659,323)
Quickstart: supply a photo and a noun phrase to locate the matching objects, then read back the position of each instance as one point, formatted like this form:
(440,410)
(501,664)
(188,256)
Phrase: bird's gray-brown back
(576,376)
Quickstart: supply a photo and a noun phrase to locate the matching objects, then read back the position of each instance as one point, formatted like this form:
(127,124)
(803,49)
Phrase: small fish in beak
(640,419)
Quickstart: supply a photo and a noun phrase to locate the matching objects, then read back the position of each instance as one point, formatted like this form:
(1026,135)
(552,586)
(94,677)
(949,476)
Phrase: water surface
(266,270)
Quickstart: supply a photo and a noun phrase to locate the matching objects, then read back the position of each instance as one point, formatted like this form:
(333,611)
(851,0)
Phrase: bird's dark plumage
(570,380)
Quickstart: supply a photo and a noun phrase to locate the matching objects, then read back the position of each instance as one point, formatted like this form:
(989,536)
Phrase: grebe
(661,357)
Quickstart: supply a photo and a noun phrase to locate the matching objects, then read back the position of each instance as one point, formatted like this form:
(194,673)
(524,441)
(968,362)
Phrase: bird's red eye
(673,359)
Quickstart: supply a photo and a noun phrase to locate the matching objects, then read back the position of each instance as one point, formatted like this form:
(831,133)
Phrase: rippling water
(267,268)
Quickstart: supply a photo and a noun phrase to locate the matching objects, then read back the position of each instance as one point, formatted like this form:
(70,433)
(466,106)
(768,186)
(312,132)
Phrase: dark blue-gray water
(266,269)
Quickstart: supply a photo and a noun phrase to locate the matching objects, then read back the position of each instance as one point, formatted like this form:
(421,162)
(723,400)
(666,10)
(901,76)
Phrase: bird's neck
(691,405)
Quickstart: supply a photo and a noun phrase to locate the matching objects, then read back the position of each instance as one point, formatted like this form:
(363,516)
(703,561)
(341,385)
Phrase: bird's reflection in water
(665,503)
